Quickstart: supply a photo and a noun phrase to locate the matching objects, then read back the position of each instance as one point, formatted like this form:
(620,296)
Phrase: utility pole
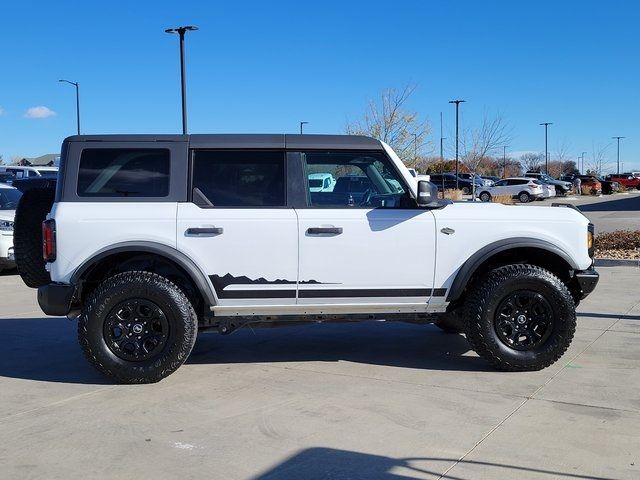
(77,85)
(457,102)
(546,149)
(504,161)
(183,81)
(618,138)
(302,124)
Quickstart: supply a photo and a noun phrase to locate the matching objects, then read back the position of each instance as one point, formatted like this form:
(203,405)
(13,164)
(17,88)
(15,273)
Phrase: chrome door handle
(324,231)
(204,231)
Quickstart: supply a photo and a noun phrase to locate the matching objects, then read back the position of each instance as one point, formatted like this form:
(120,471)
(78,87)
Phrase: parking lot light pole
(441,141)
(181,31)
(302,124)
(546,150)
(582,168)
(504,161)
(77,85)
(457,102)
(618,138)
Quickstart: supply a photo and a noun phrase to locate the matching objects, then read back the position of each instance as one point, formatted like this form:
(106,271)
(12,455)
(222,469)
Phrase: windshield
(9,198)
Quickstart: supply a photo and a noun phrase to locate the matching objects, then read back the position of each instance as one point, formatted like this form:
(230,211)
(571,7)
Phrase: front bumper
(586,281)
(55,298)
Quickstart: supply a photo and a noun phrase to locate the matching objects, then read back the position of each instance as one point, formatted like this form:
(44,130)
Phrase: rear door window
(239,178)
(124,172)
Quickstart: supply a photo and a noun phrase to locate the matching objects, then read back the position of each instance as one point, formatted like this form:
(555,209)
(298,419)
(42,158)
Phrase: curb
(614,262)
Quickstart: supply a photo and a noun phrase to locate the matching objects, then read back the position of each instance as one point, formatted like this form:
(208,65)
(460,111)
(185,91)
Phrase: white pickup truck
(150,238)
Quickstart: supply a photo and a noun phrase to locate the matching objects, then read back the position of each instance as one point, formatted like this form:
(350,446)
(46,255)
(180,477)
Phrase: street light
(618,138)
(582,168)
(504,161)
(457,102)
(546,150)
(441,140)
(77,85)
(181,31)
(301,125)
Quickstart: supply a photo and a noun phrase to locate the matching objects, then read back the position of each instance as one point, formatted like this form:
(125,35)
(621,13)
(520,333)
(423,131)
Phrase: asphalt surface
(371,400)
(620,211)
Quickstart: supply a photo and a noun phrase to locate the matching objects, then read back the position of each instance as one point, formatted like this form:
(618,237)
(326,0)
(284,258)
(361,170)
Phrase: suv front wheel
(137,327)
(520,317)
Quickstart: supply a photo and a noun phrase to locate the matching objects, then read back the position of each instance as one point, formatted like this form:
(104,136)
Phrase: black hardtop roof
(241,140)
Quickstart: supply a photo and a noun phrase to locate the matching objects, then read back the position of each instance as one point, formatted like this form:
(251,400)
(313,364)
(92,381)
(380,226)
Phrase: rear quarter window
(122,172)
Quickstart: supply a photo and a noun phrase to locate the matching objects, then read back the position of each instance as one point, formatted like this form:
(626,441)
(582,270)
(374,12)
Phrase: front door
(238,229)
(364,242)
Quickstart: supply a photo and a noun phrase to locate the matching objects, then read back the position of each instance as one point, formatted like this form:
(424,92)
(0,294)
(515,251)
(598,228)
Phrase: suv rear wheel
(520,317)
(524,197)
(485,197)
(137,327)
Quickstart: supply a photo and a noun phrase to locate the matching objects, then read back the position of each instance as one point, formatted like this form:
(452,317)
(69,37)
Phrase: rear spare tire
(32,210)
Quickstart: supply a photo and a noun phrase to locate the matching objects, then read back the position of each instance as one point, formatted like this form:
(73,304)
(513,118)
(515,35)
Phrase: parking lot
(620,211)
(369,400)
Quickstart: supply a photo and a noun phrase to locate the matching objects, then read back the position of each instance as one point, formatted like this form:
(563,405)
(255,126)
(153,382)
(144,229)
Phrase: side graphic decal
(283,291)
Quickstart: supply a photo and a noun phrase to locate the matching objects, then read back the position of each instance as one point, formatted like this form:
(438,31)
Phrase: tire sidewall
(173,354)
(563,320)
(524,197)
(485,197)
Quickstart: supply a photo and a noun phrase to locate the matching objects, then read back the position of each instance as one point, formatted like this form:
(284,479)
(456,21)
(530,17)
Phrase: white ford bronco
(150,238)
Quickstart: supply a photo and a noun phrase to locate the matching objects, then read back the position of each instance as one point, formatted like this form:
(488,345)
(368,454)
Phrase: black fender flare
(199,278)
(469,267)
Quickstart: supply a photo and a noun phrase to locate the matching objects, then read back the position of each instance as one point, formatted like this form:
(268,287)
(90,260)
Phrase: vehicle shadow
(46,349)
(323,463)
(377,343)
(630,203)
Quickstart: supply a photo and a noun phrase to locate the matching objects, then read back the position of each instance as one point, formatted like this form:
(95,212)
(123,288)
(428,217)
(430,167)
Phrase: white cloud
(39,112)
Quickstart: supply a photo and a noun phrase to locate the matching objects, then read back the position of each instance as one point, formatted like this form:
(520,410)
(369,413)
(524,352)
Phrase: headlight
(6,226)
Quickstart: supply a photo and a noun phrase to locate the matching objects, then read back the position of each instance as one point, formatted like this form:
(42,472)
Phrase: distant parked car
(590,184)
(479,179)
(9,198)
(523,189)
(19,171)
(447,181)
(561,187)
(492,178)
(628,180)
(608,186)
(321,182)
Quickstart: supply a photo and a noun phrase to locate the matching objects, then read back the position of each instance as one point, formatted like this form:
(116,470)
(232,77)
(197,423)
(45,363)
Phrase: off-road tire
(181,317)
(450,322)
(32,210)
(487,294)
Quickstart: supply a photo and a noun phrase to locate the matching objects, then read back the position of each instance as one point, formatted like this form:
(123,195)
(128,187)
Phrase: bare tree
(599,160)
(531,161)
(388,119)
(480,143)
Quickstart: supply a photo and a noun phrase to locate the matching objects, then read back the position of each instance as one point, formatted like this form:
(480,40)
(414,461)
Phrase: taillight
(49,240)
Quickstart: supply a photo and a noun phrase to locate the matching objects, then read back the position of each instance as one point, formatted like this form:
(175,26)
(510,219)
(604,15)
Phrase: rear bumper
(586,281)
(55,298)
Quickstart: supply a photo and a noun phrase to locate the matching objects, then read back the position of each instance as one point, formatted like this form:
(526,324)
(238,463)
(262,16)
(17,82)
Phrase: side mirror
(427,194)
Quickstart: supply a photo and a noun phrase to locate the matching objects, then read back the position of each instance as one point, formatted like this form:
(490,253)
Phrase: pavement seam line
(55,404)
(532,396)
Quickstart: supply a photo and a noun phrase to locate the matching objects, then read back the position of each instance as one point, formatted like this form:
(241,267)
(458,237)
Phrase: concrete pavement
(348,401)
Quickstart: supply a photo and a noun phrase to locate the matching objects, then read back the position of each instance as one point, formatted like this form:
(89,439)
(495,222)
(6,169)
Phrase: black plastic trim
(471,265)
(55,298)
(371,292)
(587,281)
(180,258)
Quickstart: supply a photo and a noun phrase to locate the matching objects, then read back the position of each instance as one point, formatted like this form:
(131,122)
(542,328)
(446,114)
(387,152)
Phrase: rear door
(364,244)
(238,229)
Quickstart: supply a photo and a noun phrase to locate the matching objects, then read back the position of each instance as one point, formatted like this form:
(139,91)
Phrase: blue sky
(264,66)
